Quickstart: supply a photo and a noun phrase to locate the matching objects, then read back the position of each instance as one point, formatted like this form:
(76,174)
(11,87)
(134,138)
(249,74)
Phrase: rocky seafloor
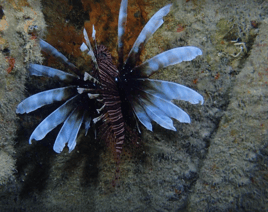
(216,163)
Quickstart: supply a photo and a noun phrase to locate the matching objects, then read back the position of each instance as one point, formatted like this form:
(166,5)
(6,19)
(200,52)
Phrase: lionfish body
(97,99)
(113,126)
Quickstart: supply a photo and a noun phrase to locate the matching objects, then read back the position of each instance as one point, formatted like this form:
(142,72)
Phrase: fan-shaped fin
(169,90)
(45,71)
(152,25)
(44,98)
(122,19)
(53,120)
(170,57)
(167,107)
(69,131)
(157,115)
(46,47)
(141,114)
(72,140)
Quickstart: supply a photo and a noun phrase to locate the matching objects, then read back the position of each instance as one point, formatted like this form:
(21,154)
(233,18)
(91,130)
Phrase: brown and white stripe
(113,127)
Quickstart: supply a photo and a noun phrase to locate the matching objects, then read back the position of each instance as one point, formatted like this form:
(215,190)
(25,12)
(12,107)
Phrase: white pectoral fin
(45,71)
(170,90)
(170,109)
(38,100)
(167,58)
(141,115)
(152,25)
(46,47)
(69,131)
(158,115)
(122,19)
(53,120)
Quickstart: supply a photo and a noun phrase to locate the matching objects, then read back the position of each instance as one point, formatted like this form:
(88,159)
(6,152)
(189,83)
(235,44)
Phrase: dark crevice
(1,12)
(77,16)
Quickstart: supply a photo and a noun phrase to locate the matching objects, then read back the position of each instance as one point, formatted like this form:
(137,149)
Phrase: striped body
(113,125)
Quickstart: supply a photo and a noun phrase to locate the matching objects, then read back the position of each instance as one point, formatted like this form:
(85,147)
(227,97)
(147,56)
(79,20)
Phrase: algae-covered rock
(234,174)
(17,48)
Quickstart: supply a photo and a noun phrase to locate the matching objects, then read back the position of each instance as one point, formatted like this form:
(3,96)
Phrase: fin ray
(46,47)
(53,120)
(170,90)
(45,71)
(149,29)
(41,99)
(167,58)
(69,131)
(122,19)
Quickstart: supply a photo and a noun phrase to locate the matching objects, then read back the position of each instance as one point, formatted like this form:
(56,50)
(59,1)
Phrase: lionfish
(96,97)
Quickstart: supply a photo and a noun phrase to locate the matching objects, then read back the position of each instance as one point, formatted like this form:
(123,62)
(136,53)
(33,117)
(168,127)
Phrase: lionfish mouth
(96,99)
